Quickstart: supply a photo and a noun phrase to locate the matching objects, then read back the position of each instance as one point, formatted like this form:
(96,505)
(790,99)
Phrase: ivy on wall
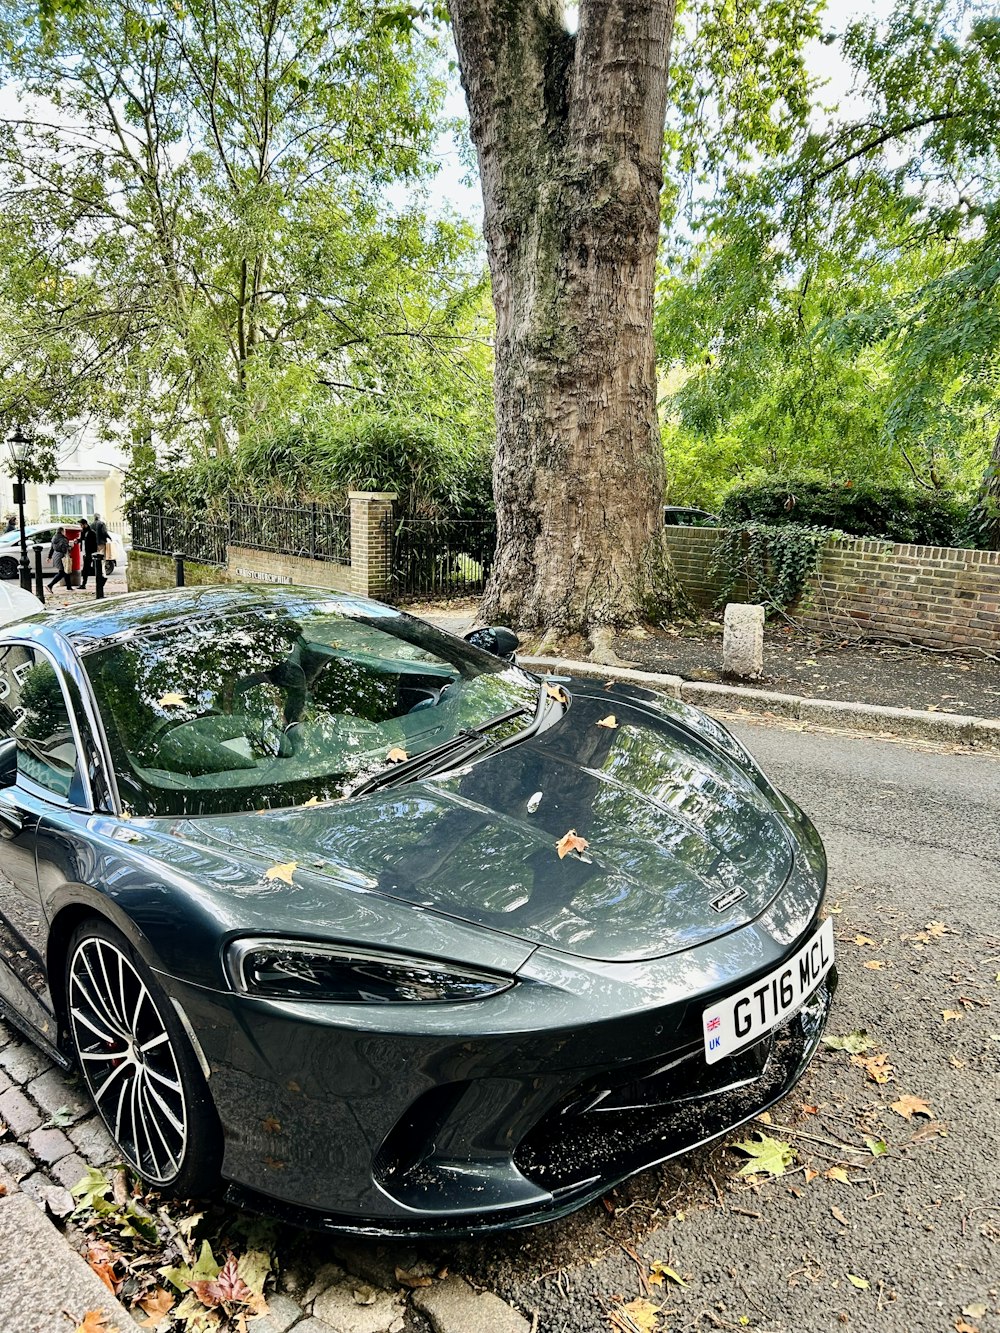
(775,561)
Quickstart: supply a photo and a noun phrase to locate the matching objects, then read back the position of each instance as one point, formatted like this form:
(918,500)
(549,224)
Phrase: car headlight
(293,970)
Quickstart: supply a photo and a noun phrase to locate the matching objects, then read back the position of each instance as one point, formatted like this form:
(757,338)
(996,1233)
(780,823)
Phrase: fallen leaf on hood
(558,693)
(313,800)
(283,870)
(861,1283)
(396,755)
(951,1015)
(571,842)
(909,1106)
(610,722)
(771,1156)
(172,700)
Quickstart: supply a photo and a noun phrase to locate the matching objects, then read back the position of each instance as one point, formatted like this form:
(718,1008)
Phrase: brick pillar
(371,542)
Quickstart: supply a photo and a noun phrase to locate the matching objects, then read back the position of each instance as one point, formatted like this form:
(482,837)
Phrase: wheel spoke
(165,1109)
(112,1037)
(172,1084)
(144,1107)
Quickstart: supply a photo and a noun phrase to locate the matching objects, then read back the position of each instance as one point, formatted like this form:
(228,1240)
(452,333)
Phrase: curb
(956,728)
(47,1287)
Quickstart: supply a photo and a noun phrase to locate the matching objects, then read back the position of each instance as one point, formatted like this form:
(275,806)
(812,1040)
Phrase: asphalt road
(913,837)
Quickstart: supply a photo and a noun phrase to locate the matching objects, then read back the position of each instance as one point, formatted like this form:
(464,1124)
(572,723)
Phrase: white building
(90,478)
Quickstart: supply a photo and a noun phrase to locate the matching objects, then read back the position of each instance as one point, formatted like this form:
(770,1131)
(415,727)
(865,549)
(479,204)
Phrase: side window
(35,728)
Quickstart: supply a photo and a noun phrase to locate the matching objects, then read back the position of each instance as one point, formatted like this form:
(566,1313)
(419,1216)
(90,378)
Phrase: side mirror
(495,639)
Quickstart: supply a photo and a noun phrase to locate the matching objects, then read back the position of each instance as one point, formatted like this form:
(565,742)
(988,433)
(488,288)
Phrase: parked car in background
(677,515)
(15,604)
(387,932)
(10,548)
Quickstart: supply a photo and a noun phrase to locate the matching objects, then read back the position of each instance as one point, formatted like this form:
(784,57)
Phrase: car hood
(684,843)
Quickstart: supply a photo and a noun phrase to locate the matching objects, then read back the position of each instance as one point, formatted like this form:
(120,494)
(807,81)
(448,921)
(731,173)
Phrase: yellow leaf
(571,842)
(877,1067)
(837,1173)
(172,701)
(284,870)
(643,1314)
(873,964)
(659,1270)
(935,929)
(862,940)
(313,800)
(396,755)
(608,722)
(909,1106)
(765,1117)
(951,1015)
(558,693)
(861,1283)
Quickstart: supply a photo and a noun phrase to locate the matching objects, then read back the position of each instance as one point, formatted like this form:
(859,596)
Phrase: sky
(451,188)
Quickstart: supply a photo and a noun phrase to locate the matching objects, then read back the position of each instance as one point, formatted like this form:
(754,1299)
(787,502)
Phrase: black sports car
(377,926)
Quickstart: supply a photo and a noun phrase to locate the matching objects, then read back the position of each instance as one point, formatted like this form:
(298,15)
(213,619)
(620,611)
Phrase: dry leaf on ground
(771,1156)
(156,1305)
(908,1106)
(877,1067)
(94,1322)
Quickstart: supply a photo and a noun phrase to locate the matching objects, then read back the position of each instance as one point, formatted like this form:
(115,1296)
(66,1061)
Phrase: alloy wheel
(128,1059)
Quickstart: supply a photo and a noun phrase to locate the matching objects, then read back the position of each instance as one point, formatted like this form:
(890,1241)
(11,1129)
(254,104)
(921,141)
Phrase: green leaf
(91,1189)
(253,1268)
(767,1155)
(861,1283)
(60,1119)
(659,1270)
(854,1042)
(877,1147)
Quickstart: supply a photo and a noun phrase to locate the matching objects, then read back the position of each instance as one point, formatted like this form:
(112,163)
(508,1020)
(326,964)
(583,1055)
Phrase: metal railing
(312,531)
(442,557)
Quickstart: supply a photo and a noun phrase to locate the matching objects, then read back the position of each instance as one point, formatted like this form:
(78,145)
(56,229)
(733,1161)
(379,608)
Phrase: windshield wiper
(461,746)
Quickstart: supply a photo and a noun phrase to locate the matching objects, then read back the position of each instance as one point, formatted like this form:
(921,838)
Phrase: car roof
(16,604)
(87,625)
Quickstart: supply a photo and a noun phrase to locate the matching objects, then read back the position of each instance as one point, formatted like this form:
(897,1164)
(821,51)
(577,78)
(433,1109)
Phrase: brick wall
(944,597)
(147,571)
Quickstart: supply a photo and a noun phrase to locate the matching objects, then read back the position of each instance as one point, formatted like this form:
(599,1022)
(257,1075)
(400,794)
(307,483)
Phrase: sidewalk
(949,698)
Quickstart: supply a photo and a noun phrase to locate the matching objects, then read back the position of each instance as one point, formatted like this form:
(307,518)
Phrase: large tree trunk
(569,133)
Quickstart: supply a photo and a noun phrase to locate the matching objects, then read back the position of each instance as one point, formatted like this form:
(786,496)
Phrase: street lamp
(19,446)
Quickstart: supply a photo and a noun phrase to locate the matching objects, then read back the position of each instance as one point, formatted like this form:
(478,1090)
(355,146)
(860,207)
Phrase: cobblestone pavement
(49,1135)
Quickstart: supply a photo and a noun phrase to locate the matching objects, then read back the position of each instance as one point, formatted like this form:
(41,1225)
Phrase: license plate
(745,1017)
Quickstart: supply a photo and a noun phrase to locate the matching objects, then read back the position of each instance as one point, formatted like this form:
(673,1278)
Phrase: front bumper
(597,1138)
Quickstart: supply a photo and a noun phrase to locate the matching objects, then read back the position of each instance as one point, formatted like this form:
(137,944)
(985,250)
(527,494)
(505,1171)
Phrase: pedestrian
(88,540)
(59,556)
(11,523)
(101,528)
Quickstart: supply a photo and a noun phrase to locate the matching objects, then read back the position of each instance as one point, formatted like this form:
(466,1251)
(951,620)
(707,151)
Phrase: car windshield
(287,701)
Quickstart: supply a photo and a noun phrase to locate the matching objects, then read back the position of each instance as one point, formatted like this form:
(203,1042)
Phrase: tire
(109,566)
(8,567)
(138,1064)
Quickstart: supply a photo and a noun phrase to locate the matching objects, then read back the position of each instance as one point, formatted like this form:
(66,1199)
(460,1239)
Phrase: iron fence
(164,531)
(442,557)
(312,531)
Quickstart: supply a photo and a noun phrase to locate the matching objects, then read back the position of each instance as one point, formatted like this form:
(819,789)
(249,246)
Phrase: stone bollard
(743,641)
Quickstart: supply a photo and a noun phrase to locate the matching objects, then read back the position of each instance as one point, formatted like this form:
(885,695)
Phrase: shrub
(896,513)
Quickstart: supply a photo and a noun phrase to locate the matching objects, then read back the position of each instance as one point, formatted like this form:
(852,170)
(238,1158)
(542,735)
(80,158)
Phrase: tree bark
(569,133)
(988,503)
